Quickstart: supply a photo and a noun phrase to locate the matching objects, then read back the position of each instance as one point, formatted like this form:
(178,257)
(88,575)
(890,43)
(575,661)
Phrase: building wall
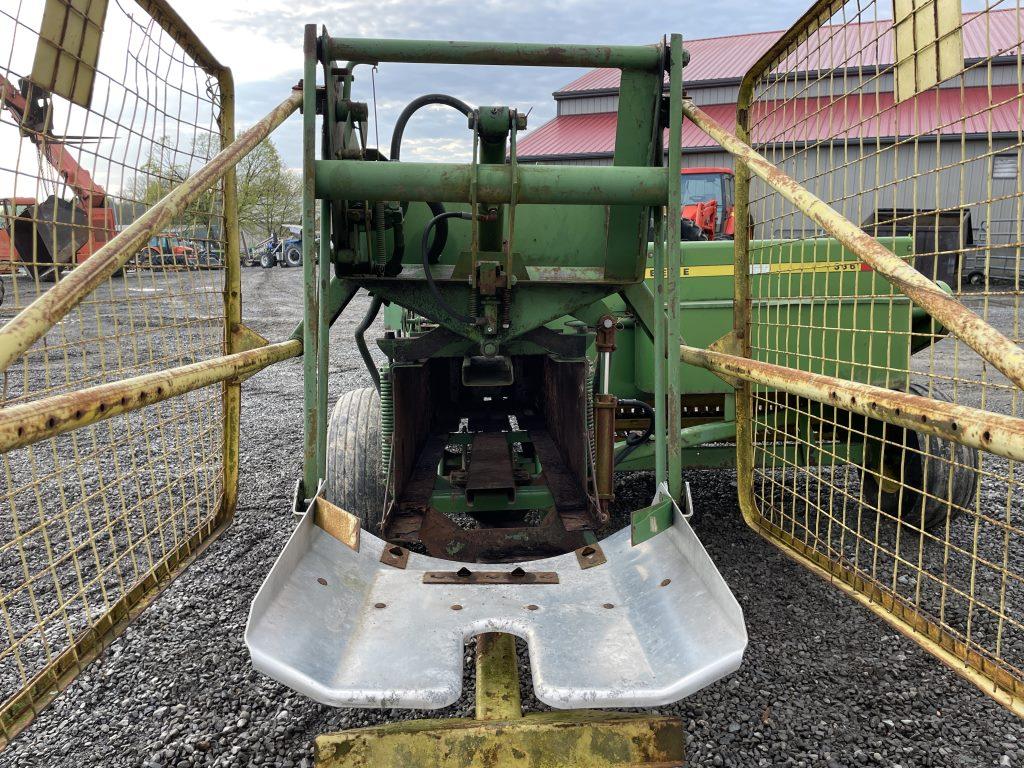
(851,81)
(857,180)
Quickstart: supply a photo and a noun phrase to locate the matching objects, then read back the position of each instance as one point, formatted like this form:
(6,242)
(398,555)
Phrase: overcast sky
(261,40)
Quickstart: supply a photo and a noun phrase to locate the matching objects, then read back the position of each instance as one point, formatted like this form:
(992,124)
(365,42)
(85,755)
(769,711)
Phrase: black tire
(293,256)
(976,279)
(900,495)
(267,260)
(355,481)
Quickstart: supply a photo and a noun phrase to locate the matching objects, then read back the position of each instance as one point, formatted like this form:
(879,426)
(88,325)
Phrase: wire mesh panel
(913,130)
(93,522)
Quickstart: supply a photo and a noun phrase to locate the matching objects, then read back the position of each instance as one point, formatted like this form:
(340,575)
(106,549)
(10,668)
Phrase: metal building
(974,115)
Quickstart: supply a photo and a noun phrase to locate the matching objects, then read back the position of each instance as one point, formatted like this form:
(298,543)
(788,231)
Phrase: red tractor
(707,203)
(45,235)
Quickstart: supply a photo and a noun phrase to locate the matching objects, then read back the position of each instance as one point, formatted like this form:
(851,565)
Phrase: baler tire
(907,447)
(355,481)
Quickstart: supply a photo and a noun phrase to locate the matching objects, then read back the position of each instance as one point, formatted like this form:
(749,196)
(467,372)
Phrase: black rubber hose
(632,443)
(426,263)
(436,245)
(364,352)
(417,104)
(441,237)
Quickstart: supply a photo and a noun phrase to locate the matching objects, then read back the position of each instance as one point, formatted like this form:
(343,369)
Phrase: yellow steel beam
(497,677)
(992,432)
(32,323)
(574,739)
(988,342)
(30,422)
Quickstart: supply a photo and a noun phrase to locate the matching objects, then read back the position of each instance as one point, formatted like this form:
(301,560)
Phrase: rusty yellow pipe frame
(32,323)
(992,432)
(27,423)
(967,326)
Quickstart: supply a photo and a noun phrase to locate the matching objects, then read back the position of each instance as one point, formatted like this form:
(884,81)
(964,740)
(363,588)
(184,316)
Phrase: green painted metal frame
(627,187)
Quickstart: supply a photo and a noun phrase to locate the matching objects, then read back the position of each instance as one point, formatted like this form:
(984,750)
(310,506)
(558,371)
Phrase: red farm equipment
(706,204)
(55,231)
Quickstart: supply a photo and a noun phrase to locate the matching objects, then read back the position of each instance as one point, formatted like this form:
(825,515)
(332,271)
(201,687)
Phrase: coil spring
(380,251)
(387,421)
(506,311)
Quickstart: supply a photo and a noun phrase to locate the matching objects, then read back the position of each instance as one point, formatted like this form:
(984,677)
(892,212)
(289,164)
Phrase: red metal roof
(713,58)
(941,111)
(587,135)
(863,116)
(867,44)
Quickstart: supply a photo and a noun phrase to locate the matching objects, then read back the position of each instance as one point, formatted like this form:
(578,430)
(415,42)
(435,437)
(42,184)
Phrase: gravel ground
(824,683)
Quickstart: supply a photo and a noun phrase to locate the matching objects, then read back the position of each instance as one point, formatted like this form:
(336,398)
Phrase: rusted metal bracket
(590,556)
(466,576)
(395,556)
(342,525)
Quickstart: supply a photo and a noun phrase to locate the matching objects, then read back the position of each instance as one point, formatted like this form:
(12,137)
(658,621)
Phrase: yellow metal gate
(93,523)
(906,118)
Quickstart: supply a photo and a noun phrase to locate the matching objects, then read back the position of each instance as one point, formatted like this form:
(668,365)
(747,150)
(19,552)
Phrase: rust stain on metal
(21,425)
(466,576)
(992,432)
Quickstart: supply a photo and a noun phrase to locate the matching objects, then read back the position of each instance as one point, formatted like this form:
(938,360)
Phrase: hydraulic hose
(632,443)
(441,237)
(364,352)
(417,104)
(426,263)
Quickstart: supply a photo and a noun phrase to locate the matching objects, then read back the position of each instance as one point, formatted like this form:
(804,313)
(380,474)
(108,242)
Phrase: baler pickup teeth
(653,624)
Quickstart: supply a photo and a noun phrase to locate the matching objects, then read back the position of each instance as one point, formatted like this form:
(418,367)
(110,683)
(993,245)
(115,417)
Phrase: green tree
(269,193)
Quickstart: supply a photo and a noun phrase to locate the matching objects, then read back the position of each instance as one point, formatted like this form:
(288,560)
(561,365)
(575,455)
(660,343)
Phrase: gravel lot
(824,683)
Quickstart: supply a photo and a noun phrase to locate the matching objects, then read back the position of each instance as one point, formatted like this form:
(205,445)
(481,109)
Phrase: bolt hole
(588,552)
(124,401)
(395,551)
(463,572)
(321,581)
(380,605)
(608,605)
(103,407)
(456,607)
(532,607)
(79,414)
(898,411)
(517,573)
(51,423)
(159,391)
(853,400)
(666,582)
(954,426)
(924,419)
(986,435)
